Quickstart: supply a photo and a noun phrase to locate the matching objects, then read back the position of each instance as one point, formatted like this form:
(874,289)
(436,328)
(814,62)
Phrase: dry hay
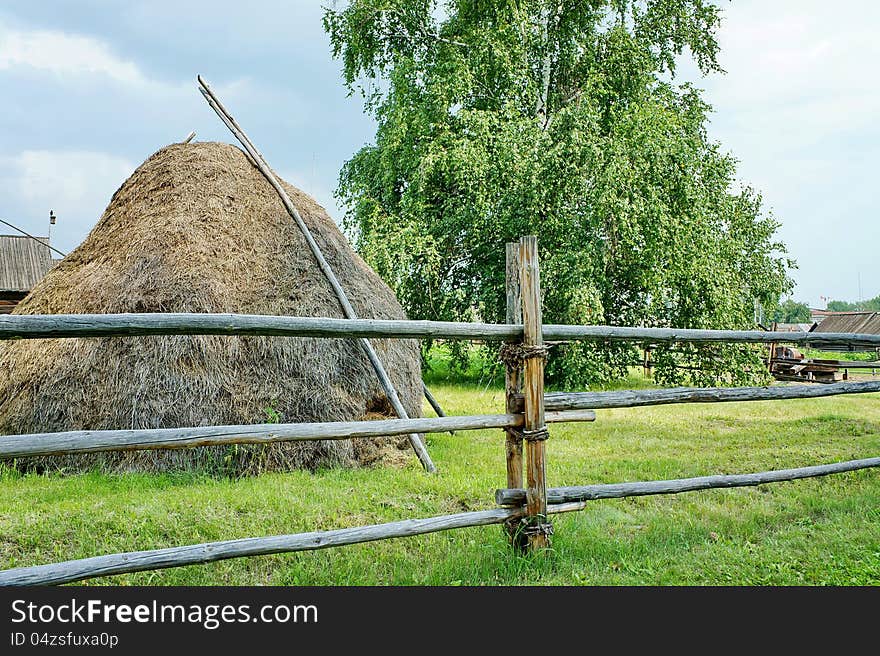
(196,228)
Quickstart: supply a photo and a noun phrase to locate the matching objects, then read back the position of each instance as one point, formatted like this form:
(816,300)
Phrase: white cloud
(803,69)
(65,54)
(77,178)
(798,108)
(70,57)
(73,178)
(77,185)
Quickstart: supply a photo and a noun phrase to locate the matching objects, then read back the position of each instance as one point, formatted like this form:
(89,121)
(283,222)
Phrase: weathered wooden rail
(138,561)
(571,494)
(70,442)
(636,398)
(40,326)
(527,503)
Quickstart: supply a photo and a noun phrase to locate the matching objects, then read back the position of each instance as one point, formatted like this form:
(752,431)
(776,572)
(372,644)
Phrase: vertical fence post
(512,386)
(538,528)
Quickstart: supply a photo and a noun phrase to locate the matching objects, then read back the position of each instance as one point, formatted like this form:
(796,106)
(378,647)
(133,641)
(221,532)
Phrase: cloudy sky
(91,88)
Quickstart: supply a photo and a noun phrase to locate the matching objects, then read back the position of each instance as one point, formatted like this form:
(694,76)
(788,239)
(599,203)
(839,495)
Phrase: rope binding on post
(514,354)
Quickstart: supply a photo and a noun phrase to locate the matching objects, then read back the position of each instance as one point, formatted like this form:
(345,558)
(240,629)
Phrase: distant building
(23,263)
(865,323)
(818,316)
(793,327)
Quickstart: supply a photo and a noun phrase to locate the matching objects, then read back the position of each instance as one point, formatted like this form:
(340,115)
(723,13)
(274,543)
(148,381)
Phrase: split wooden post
(538,529)
(513,386)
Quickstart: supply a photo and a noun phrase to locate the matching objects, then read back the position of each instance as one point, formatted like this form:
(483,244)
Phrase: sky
(91,88)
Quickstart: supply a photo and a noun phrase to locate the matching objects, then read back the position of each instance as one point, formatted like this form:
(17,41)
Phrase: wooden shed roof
(866,323)
(23,262)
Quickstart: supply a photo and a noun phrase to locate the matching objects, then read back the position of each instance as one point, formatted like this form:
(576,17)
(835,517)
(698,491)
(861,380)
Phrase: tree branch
(425,31)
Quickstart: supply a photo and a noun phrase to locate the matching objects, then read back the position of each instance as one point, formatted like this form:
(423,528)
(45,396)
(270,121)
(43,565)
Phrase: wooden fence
(525,505)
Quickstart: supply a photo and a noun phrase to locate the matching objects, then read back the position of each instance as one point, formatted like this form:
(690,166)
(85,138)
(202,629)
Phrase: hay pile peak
(196,228)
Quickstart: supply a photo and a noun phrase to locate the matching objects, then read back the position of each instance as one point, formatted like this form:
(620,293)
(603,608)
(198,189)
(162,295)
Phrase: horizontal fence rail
(69,442)
(635,398)
(137,561)
(669,335)
(511,497)
(36,326)
(40,326)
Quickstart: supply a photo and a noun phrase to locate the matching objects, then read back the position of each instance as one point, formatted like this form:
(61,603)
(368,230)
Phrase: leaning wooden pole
(260,162)
(435,404)
(538,528)
(513,387)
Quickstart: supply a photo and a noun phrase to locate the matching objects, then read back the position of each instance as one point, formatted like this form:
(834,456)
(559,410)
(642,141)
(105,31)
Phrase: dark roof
(866,323)
(820,315)
(828,313)
(23,262)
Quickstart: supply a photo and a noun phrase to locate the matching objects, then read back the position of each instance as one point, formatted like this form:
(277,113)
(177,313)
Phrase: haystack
(196,228)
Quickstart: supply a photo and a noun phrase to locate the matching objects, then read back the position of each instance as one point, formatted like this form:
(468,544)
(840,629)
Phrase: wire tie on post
(536,435)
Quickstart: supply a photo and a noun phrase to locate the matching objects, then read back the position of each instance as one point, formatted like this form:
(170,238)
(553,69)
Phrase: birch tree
(563,119)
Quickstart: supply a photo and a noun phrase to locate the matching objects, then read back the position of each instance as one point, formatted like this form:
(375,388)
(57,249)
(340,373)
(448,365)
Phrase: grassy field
(843,356)
(823,531)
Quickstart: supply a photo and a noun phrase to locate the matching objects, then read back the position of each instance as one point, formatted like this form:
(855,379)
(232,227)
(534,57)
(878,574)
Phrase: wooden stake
(513,386)
(260,162)
(539,528)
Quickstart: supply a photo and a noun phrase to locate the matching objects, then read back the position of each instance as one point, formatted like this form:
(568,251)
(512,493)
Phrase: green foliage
(792,311)
(871,305)
(272,415)
(510,117)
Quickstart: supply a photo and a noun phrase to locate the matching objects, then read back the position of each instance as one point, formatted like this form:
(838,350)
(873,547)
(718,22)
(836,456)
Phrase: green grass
(844,356)
(823,531)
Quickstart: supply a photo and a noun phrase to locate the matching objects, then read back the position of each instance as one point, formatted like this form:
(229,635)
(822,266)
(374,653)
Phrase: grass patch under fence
(810,532)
